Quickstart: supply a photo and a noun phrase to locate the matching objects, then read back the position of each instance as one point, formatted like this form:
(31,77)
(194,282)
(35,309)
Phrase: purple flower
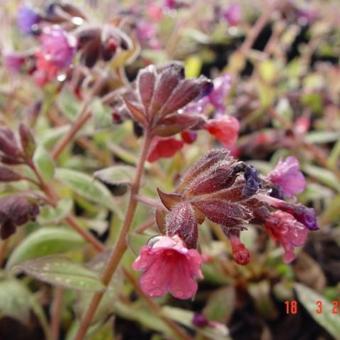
(58,46)
(252,180)
(147,34)
(55,54)
(215,97)
(232,14)
(219,92)
(27,18)
(288,177)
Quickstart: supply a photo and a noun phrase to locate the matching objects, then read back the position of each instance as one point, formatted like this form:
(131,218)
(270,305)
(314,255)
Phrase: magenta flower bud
(288,177)
(167,265)
(27,19)
(199,320)
(232,14)
(241,254)
(287,231)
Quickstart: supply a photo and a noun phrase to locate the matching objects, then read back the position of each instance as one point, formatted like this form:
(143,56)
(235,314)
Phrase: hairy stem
(68,137)
(121,246)
(84,115)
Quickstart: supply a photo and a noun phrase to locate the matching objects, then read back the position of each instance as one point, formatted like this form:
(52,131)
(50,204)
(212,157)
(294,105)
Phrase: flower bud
(8,175)
(15,210)
(199,320)
(181,221)
(27,141)
(8,143)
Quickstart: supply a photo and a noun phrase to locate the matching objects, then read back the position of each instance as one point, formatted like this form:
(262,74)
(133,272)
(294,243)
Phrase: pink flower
(225,129)
(232,14)
(55,54)
(286,230)
(288,177)
(14,62)
(164,148)
(167,265)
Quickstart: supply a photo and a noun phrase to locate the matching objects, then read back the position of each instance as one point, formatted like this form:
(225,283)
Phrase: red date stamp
(292,307)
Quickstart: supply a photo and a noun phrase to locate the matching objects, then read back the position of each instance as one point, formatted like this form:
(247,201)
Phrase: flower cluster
(62,30)
(229,193)
(167,104)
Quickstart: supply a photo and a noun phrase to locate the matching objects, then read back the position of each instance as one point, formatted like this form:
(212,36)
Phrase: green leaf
(102,115)
(87,187)
(50,214)
(60,271)
(323,176)
(68,104)
(185,317)
(14,300)
(17,301)
(215,310)
(116,178)
(320,137)
(331,213)
(260,293)
(45,241)
(44,162)
(327,319)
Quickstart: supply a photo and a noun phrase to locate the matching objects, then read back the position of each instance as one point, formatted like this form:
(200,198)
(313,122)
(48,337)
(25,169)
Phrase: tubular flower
(288,177)
(287,231)
(163,148)
(227,192)
(55,54)
(224,128)
(167,265)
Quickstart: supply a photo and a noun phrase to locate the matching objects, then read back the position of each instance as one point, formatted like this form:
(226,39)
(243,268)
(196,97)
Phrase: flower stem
(79,123)
(120,246)
(56,312)
(84,115)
